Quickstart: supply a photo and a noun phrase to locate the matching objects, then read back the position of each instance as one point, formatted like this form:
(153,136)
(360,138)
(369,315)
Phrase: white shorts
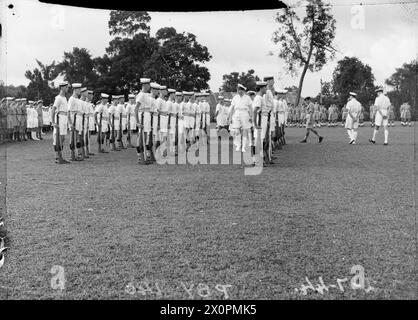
(78,123)
(350,124)
(124,121)
(117,124)
(147,121)
(104,126)
(241,120)
(154,123)
(132,122)
(181,126)
(282,118)
(264,118)
(379,121)
(191,122)
(92,126)
(163,123)
(63,124)
(172,129)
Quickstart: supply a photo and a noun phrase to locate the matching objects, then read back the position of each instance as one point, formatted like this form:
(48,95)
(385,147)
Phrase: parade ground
(119,230)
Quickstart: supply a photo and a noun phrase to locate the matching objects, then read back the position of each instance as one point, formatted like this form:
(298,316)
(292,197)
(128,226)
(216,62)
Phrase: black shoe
(320,139)
(385,144)
(351,142)
(303,141)
(372,141)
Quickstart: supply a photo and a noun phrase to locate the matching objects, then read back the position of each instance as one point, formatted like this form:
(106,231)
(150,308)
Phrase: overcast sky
(238,41)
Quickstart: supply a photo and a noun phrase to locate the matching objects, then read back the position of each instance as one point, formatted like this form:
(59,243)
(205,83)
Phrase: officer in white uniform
(382,104)
(143,121)
(75,115)
(59,120)
(240,113)
(131,119)
(101,116)
(121,125)
(353,117)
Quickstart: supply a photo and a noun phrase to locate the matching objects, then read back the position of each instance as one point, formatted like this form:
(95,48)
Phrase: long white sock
(244,141)
(374,135)
(355,135)
(386,135)
(350,134)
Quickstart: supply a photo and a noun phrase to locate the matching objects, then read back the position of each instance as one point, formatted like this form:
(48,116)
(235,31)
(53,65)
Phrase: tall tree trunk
(302,76)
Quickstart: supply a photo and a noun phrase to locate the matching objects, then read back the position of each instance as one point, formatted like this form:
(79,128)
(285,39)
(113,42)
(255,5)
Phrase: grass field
(210,229)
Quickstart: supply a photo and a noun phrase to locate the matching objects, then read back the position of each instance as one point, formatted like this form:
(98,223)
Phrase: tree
(172,58)
(12,91)
(351,74)
(77,66)
(326,96)
(128,23)
(308,44)
(405,83)
(39,78)
(178,60)
(230,81)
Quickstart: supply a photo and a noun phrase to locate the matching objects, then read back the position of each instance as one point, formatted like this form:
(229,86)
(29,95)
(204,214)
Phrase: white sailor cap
(179,94)
(220,97)
(76,85)
(155,85)
(242,87)
(171,90)
(9,98)
(104,96)
(122,96)
(163,87)
(39,101)
(144,80)
(250,92)
(131,96)
(83,89)
(353,94)
(379,89)
(261,83)
(268,78)
(30,101)
(90,91)
(187,93)
(198,94)
(63,83)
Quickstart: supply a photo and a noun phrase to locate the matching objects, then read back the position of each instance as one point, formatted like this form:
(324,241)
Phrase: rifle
(112,130)
(129,128)
(176,137)
(82,131)
(99,133)
(268,140)
(151,133)
(143,136)
(120,127)
(57,135)
(73,136)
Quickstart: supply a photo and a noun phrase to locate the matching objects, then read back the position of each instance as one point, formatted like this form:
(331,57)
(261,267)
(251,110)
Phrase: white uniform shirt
(282,106)
(382,102)
(145,101)
(354,107)
(243,103)
(269,100)
(73,108)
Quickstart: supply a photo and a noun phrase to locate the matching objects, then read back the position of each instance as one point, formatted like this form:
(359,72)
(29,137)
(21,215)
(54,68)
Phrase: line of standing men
(21,120)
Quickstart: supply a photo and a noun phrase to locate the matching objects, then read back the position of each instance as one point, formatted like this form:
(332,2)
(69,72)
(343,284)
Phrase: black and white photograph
(251,154)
